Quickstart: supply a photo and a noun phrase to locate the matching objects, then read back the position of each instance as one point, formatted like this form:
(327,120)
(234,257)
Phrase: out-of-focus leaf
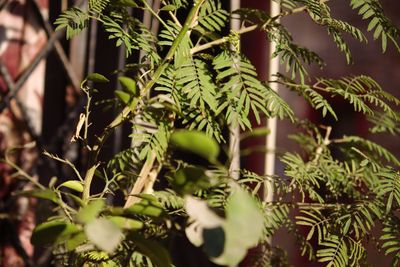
(225,241)
(196,142)
(40,193)
(188,180)
(126,223)
(90,212)
(52,232)
(200,212)
(239,233)
(123,96)
(103,233)
(148,206)
(75,240)
(129,85)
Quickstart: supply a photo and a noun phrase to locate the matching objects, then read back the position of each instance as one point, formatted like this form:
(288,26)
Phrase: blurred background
(40,100)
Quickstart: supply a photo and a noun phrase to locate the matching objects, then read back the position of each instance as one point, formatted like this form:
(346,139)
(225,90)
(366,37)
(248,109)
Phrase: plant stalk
(94,153)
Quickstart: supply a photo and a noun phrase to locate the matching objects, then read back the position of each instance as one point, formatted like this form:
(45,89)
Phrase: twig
(141,181)
(325,143)
(65,161)
(174,18)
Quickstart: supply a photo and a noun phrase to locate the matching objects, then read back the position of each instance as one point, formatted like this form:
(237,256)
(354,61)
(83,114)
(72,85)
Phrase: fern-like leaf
(74,20)
(389,188)
(98,5)
(212,17)
(334,251)
(380,24)
(390,239)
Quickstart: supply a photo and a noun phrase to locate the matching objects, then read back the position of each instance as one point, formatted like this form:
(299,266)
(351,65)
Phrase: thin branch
(247,29)
(140,182)
(222,40)
(325,143)
(65,161)
(92,165)
(174,18)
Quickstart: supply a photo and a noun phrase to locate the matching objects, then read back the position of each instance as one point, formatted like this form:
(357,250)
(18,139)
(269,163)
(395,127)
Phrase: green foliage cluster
(193,84)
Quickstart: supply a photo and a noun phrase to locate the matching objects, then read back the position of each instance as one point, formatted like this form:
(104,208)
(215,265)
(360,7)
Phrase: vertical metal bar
(273,68)
(147,23)
(92,46)
(118,132)
(234,132)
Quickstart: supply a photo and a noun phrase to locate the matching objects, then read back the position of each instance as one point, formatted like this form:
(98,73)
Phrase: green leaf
(75,240)
(126,223)
(103,233)
(129,85)
(188,180)
(240,235)
(196,142)
(73,185)
(226,241)
(123,96)
(90,212)
(310,233)
(240,209)
(168,8)
(96,77)
(40,193)
(148,206)
(52,232)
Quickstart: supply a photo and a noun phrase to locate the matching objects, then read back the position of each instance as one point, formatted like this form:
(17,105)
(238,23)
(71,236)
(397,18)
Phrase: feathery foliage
(193,84)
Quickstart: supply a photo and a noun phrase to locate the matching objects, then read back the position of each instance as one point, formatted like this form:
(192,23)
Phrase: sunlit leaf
(196,142)
(73,185)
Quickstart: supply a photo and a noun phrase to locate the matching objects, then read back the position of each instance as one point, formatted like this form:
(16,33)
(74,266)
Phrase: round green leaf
(123,96)
(168,8)
(129,85)
(196,142)
(96,77)
(73,185)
